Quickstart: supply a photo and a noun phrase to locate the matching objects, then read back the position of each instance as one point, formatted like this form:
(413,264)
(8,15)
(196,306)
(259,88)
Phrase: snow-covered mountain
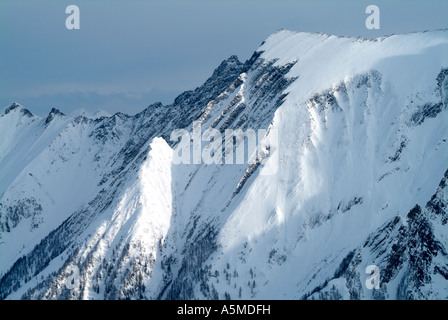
(352,171)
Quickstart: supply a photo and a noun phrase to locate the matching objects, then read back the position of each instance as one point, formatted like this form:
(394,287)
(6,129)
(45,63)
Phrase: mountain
(343,145)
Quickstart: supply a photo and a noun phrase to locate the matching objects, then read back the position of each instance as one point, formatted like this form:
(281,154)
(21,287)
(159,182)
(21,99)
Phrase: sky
(128,54)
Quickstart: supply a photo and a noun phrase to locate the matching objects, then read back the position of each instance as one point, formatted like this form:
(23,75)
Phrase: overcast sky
(129,54)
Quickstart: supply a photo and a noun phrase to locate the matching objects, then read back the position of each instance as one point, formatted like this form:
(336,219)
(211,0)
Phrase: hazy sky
(129,54)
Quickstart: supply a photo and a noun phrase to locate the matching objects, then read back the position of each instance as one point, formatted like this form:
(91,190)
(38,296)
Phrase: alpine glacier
(95,208)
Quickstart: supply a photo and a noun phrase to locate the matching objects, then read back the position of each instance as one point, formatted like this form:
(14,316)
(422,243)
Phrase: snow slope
(353,174)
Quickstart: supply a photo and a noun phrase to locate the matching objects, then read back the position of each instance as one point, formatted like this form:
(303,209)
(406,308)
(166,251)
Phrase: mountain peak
(14,105)
(233,59)
(53,113)
(228,65)
(17,106)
